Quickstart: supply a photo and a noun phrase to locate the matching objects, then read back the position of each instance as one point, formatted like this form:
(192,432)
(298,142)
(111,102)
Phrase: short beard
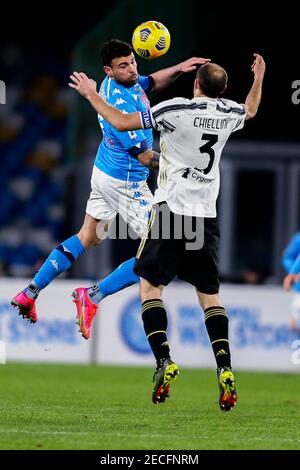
(129,84)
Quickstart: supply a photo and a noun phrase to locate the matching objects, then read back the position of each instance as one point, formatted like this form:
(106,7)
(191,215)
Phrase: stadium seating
(32,144)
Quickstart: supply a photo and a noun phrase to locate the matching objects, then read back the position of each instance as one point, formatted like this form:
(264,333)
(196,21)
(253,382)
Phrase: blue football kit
(114,155)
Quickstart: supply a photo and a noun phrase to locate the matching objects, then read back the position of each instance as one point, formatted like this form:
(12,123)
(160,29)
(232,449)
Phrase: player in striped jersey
(193,134)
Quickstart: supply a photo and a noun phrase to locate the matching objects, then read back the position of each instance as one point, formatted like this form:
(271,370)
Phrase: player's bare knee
(88,240)
(148,291)
(208,300)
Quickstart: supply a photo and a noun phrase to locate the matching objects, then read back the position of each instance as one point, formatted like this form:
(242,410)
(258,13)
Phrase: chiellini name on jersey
(210,123)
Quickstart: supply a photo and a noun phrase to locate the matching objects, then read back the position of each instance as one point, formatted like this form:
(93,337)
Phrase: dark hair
(114,48)
(212,79)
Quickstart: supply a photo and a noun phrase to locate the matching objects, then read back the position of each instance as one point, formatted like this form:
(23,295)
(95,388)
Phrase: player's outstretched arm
(88,89)
(165,77)
(254,96)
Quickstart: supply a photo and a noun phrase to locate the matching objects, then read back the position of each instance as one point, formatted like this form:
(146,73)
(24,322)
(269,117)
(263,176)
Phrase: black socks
(155,325)
(216,322)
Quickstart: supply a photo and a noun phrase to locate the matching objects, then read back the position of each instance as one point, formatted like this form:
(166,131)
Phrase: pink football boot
(25,305)
(86,310)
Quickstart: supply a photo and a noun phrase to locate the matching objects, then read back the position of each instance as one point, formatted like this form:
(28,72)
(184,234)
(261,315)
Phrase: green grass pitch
(93,407)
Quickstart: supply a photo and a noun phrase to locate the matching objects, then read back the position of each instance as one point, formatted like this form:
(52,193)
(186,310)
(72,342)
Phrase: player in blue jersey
(118,183)
(291,262)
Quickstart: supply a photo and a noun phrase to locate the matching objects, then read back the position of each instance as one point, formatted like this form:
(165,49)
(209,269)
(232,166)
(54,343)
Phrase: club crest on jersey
(144,99)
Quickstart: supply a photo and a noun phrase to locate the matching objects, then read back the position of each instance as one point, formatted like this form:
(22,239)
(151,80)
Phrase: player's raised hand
(258,67)
(191,64)
(289,280)
(83,84)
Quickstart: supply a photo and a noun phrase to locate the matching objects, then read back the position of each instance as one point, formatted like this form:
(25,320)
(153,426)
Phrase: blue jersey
(291,258)
(113,157)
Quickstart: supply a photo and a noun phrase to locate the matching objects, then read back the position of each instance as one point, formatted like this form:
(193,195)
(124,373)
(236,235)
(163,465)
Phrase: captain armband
(146,120)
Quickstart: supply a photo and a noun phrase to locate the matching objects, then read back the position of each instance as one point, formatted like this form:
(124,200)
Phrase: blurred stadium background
(48,140)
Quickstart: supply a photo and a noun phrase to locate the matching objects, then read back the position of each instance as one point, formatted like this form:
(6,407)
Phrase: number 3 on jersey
(212,139)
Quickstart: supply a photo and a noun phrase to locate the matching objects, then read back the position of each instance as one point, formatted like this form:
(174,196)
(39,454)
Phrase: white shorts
(110,196)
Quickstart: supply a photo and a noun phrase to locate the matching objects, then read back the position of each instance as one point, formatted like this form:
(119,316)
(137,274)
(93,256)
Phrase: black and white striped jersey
(193,134)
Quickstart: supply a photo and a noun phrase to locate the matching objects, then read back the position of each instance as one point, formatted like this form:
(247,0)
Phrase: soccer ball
(151,39)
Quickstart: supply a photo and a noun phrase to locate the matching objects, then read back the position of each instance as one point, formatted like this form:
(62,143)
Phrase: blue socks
(62,257)
(121,277)
(59,260)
